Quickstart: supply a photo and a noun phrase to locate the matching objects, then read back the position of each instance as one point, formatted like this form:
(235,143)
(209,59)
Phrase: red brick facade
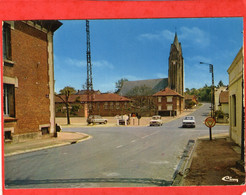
(169,102)
(103,104)
(29,72)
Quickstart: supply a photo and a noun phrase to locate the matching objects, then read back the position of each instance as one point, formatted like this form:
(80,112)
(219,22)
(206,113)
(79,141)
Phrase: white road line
(119,146)
(133,140)
(145,136)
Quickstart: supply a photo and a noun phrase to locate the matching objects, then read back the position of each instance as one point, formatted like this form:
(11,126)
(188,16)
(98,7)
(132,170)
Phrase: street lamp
(211,70)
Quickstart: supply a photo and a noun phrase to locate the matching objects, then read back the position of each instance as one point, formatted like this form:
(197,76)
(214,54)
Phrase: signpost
(210,122)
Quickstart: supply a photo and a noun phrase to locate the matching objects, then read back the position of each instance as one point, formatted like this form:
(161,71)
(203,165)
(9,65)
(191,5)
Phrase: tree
(119,84)
(220,84)
(143,101)
(64,95)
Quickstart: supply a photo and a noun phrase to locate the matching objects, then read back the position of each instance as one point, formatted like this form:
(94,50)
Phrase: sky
(138,49)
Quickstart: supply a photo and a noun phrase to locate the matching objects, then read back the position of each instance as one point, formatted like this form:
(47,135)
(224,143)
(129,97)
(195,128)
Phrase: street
(113,157)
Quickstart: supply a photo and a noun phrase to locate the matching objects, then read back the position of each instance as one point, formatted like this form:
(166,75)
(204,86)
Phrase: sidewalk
(211,162)
(63,138)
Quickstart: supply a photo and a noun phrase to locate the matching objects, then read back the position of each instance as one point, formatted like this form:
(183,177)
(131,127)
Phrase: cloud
(165,34)
(83,63)
(160,75)
(103,64)
(195,35)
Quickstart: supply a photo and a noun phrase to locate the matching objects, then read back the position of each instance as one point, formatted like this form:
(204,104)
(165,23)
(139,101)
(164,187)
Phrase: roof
(103,97)
(176,42)
(224,97)
(155,84)
(51,25)
(167,92)
(190,97)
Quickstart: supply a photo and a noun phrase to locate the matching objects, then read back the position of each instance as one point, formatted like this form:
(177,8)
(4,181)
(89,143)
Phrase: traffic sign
(210,122)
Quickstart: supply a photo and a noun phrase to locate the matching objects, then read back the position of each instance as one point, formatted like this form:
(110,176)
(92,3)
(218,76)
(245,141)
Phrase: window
(234,110)
(159,99)
(159,107)
(117,105)
(106,105)
(126,106)
(7,42)
(169,107)
(9,100)
(111,105)
(169,98)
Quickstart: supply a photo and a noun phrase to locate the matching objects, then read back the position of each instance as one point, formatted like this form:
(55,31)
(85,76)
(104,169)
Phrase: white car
(155,121)
(96,119)
(189,121)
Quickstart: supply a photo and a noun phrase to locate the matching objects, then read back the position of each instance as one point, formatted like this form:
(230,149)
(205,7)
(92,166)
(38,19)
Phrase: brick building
(104,104)
(169,102)
(28,79)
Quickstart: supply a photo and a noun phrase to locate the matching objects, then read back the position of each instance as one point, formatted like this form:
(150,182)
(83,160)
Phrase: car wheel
(105,122)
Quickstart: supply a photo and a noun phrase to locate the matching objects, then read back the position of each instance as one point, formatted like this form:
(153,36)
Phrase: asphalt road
(114,157)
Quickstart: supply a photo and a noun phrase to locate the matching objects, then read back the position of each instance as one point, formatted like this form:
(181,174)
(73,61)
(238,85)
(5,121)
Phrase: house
(235,72)
(190,101)
(104,104)
(28,79)
(169,102)
(217,92)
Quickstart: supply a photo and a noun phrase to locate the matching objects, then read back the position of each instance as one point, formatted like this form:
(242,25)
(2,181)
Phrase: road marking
(119,146)
(145,136)
(133,140)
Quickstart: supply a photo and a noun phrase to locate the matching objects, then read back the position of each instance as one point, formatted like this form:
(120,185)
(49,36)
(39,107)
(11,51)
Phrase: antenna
(89,85)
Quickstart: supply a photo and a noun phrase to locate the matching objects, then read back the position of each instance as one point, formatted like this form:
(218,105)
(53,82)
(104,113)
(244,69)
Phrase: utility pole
(211,70)
(89,85)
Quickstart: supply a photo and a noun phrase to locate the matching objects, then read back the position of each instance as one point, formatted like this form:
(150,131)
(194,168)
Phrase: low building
(28,79)
(190,101)
(104,104)
(169,102)
(217,92)
(222,113)
(235,72)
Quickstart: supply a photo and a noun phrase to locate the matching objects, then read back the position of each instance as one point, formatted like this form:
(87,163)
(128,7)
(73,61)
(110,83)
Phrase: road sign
(210,122)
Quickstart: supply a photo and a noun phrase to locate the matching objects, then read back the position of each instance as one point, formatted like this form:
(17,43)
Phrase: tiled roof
(103,97)
(166,92)
(155,84)
(224,97)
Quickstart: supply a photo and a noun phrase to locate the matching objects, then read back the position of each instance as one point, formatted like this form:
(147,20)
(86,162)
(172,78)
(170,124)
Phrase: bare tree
(64,96)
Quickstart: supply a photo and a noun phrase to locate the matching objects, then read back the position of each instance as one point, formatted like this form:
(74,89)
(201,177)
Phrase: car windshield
(189,118)
(155,117)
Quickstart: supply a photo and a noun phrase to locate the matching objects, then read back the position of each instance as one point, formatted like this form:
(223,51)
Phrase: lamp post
(211,70)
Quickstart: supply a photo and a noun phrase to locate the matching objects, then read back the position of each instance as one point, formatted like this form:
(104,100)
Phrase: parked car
(189,121)
(96,119)
(155,121)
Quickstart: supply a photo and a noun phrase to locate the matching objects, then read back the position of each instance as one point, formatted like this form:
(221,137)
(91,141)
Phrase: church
(168,92)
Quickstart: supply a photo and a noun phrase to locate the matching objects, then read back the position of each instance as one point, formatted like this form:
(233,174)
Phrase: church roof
(155,84)
(167,92)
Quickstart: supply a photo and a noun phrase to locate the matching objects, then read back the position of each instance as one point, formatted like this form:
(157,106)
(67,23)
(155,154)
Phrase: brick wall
(29,54)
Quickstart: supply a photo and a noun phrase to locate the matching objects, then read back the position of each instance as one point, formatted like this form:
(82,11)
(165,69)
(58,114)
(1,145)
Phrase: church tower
(176,67)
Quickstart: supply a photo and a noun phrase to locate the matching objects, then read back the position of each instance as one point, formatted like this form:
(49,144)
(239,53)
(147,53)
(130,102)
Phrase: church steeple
(176,42)
(176,67)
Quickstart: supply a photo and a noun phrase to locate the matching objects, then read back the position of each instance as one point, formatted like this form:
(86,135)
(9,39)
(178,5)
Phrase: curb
(184,164)
(87,137)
